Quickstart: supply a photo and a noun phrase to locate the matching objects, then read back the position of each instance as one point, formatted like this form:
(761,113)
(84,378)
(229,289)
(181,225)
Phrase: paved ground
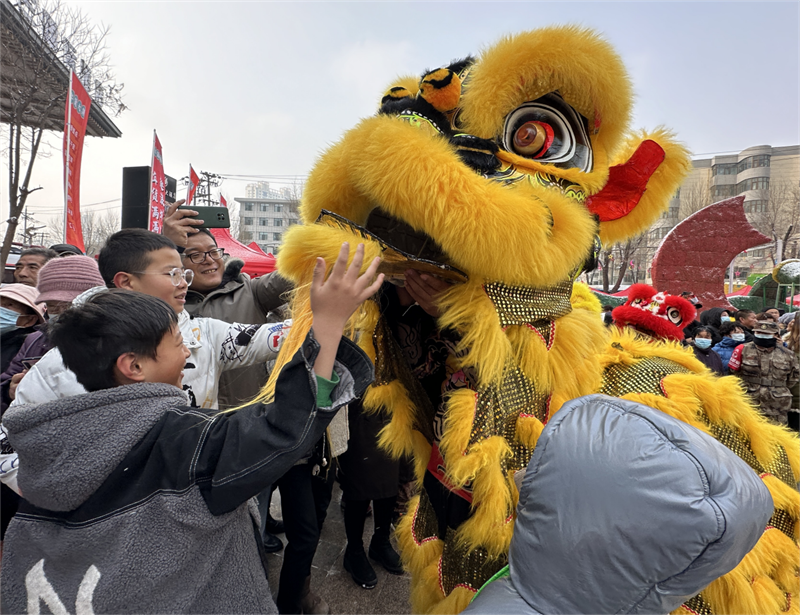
(328,577)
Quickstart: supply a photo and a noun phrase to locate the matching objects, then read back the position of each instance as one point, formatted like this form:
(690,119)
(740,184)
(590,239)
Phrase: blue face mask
(702,342)
(724,318)
(8,320)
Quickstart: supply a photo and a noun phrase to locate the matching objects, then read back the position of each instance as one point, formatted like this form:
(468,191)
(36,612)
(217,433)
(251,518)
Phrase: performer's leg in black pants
(304,503)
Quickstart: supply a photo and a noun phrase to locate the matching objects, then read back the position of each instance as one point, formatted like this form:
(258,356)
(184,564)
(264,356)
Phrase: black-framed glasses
(199,257)
(176,275)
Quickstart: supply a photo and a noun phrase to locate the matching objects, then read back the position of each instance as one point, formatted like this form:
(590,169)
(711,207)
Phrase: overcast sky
(261,89)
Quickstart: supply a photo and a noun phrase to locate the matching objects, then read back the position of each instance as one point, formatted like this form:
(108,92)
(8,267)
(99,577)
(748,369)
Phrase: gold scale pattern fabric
(496,412)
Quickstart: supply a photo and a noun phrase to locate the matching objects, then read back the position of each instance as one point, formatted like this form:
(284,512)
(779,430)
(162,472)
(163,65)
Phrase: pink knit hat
(63,279)
(24,294)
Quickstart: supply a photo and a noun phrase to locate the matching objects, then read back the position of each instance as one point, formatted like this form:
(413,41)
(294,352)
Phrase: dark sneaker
(272,544)
(383,553)
(357,564)
(274,526)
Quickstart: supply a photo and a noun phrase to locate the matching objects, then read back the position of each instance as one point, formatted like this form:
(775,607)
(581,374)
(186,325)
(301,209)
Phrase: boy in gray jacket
(136,503)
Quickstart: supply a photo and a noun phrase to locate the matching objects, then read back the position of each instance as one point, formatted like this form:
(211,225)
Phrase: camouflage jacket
(768,374)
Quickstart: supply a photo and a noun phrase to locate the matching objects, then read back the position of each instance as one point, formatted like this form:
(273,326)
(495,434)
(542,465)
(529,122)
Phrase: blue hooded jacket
(725,349)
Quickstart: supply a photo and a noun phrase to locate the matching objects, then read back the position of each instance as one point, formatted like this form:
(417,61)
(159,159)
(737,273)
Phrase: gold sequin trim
(461,566)
(498,407)
(780,467)
(698,605)
(644,376)
(425,527)
(522,305)
(736,443)
(782,520)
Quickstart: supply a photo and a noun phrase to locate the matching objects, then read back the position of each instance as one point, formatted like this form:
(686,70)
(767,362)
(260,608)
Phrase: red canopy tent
(793,300)
(742,292)
(255,247)
(255,263)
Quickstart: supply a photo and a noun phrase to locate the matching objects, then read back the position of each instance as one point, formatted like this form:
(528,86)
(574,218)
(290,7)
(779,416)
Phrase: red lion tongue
(626,183)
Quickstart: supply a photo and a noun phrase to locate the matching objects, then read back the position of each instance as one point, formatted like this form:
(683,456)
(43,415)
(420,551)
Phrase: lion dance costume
(503,174)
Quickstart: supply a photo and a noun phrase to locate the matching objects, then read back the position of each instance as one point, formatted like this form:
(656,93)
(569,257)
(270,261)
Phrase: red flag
(193,181)
(76,116)
(158,186)
(222,201)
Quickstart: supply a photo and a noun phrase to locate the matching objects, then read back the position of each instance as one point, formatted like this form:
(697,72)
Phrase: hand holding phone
(178,225)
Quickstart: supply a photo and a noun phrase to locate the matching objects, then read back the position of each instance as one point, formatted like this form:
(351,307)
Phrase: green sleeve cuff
(324,389)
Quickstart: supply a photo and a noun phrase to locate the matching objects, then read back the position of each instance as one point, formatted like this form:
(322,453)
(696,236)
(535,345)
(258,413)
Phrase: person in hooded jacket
(701,345)
(732,336)
(713,319)
(593,533)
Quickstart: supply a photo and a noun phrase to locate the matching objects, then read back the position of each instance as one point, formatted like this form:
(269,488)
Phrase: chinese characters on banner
(76,117)
(193,181)
(222,201)
(158,187)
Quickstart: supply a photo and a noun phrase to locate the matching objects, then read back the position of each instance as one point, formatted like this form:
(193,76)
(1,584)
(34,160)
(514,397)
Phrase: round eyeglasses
(176,275)
(199,257)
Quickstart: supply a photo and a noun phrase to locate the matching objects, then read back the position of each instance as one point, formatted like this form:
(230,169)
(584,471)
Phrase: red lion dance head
(658,314)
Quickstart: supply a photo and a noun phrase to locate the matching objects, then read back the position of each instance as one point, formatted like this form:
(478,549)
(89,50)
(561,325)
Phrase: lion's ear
(403,88)
(649,170)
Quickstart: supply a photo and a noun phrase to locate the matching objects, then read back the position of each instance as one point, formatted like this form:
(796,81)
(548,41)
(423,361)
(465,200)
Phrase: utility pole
(204,186)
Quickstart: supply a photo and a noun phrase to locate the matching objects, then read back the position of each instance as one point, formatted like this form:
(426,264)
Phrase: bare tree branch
(32,92)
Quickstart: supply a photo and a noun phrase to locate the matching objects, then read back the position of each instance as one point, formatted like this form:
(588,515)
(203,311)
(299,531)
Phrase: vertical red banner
(76,117)
(194,179)
(222,201)
(158,187)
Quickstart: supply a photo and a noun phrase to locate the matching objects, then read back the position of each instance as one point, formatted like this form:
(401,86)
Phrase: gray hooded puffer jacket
(624,509)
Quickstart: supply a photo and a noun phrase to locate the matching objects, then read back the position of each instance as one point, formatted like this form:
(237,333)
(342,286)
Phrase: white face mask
(764,336)
(737,337)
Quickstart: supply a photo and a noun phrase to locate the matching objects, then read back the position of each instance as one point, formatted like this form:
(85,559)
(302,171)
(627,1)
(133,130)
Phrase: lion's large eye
(533,139)
(549,130)
(674,316)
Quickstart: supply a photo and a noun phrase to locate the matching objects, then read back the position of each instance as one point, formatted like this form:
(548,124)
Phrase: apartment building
(769,179)
(265,214)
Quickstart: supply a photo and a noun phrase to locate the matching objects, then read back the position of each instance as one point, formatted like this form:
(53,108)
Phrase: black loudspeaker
(136,196)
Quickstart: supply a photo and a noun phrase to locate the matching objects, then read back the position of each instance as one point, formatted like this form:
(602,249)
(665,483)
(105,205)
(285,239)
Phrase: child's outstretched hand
(334,300)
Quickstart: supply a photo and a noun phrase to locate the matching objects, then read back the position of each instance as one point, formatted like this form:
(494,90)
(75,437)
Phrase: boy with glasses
(138,260)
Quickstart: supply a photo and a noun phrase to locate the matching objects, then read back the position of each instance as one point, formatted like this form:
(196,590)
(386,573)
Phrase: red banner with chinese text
(193,181)
(158,187)
(76,117)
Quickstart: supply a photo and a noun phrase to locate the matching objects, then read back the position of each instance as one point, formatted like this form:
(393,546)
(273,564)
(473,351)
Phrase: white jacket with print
(215,347)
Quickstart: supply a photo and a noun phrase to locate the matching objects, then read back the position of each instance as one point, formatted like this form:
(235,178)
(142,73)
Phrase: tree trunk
(18,195)
(620,276)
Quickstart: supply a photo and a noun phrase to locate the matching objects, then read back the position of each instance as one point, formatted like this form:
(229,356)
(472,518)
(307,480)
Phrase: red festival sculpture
(695,255)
